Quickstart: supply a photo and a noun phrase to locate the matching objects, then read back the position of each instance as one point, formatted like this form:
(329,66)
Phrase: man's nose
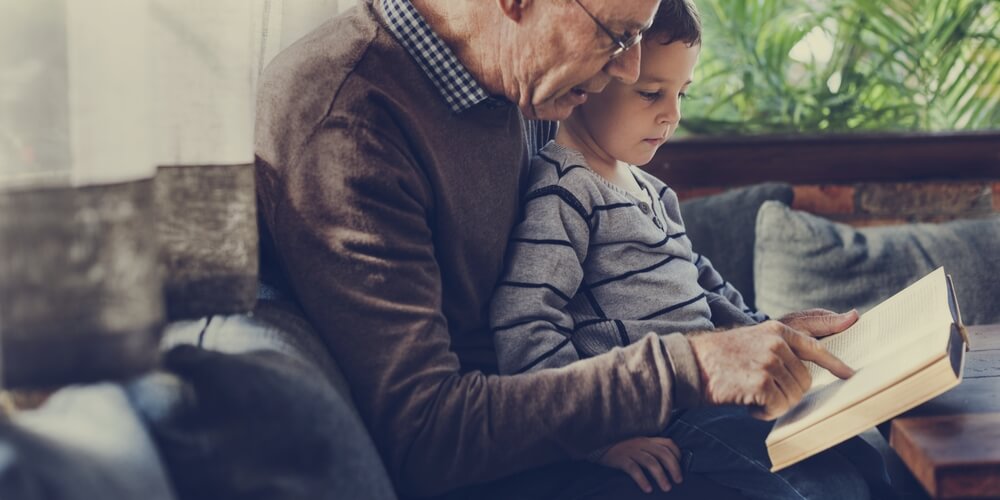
(625,67)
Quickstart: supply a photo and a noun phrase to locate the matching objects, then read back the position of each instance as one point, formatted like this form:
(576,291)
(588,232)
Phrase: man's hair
(675,21)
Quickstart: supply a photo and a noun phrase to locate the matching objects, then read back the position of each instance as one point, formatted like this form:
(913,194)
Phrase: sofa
(785,260)
(253,406)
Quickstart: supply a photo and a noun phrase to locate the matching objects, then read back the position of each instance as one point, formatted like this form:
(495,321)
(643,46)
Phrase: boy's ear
(514,9)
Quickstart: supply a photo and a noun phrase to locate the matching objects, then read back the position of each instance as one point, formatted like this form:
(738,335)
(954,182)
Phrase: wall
(872,179)
(883,203)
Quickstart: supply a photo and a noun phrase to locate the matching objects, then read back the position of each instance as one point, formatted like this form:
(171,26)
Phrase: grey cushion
(263,424)
(802,261)
(272,417)
(722,227)
(86,442)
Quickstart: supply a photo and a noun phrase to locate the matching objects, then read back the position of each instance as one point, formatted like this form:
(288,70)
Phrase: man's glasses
(622,42)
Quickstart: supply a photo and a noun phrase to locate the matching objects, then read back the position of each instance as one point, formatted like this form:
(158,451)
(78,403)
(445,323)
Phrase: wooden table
(952,443)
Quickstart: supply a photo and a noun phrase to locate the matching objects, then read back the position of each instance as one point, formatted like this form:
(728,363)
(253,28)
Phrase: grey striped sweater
(591,267)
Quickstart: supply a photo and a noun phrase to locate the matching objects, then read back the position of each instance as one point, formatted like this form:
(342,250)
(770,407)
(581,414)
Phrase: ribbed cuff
(687,380)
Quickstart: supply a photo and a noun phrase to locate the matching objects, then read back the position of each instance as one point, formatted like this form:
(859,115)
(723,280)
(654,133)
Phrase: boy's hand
(654,454)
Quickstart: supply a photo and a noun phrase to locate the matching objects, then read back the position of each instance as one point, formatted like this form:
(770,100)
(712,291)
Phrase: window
(792,66)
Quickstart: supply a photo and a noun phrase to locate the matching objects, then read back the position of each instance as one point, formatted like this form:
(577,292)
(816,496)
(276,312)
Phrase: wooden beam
(81,295)
(207,229)
(701,162)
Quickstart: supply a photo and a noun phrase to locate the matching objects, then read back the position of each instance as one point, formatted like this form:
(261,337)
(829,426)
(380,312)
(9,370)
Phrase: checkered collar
(458,87)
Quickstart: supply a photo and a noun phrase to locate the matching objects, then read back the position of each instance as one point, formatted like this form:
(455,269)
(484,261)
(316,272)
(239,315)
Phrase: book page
(838,395)
(906,317)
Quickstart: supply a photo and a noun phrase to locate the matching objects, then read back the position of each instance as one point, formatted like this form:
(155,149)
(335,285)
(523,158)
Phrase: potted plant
(824,91)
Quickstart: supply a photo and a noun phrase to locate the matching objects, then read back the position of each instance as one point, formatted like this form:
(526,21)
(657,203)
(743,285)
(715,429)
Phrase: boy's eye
(682,95)
(650,96)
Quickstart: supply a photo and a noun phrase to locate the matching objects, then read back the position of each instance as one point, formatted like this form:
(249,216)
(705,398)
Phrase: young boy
(601,259)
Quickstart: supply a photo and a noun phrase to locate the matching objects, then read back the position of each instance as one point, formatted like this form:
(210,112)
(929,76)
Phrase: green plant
(781,66)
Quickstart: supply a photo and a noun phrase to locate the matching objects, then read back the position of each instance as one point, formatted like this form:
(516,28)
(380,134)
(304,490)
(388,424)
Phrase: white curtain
(207,57)
(103,91)
(73,105)
(99,93)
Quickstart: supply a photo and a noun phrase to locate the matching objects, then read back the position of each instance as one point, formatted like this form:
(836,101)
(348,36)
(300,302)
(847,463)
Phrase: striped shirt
(591,267)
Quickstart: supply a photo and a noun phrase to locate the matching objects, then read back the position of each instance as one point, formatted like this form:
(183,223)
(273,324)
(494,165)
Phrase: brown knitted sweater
(388,216)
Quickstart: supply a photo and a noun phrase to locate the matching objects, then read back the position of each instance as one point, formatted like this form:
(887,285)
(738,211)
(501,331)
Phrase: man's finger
(816,311)
(810,349)
(821,325)
(774,403)
(801,373)
(791,375)
(790,388)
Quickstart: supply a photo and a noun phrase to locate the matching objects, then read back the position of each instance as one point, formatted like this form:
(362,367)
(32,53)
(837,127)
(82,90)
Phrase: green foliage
(781,66)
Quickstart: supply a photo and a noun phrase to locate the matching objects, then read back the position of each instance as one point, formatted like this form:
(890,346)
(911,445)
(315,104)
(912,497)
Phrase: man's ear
(515,9)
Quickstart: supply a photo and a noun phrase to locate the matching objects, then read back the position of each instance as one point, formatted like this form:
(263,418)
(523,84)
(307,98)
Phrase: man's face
(564,55)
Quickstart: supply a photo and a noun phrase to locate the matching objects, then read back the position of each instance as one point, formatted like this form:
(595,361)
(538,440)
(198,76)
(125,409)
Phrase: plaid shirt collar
(452,79)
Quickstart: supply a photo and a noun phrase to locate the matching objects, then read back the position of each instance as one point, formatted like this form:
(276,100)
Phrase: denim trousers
(726,445)
(723,457)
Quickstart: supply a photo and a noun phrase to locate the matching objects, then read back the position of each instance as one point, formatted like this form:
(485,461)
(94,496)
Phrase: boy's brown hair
(675,21)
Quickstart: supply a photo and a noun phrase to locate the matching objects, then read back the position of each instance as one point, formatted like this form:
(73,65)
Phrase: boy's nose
(670,114)
(670,118)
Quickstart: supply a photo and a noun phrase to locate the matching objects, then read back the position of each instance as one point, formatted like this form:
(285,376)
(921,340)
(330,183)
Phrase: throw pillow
(803,261)
(721,227)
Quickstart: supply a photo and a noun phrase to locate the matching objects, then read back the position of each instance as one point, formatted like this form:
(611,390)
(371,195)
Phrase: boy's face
(630,122)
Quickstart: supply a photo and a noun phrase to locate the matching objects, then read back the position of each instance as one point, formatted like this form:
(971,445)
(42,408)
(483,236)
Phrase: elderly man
(392,146)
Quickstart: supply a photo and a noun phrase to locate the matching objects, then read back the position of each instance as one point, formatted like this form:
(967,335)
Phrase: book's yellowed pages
(900,351)
(895,399)
(918,310)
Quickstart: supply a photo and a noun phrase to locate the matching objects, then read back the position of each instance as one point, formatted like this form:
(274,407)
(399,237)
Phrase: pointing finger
(822,325)
(810,349)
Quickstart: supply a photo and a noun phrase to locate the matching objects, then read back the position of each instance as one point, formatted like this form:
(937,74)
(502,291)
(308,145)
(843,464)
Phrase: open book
(905,351)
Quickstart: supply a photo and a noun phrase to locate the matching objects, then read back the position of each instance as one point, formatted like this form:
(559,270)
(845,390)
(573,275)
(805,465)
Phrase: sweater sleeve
(349,217)
(726,302)
(531,328)
(718,289)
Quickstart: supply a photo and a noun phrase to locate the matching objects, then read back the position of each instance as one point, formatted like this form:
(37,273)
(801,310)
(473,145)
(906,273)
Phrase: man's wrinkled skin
(761,365)
(537,52)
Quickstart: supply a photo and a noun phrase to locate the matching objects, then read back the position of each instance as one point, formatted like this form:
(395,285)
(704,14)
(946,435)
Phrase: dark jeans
(724,457)
(588,481)
(726,445)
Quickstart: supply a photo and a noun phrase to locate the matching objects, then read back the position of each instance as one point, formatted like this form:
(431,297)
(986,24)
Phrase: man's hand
(820,322)
(657,455)
(761,365)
